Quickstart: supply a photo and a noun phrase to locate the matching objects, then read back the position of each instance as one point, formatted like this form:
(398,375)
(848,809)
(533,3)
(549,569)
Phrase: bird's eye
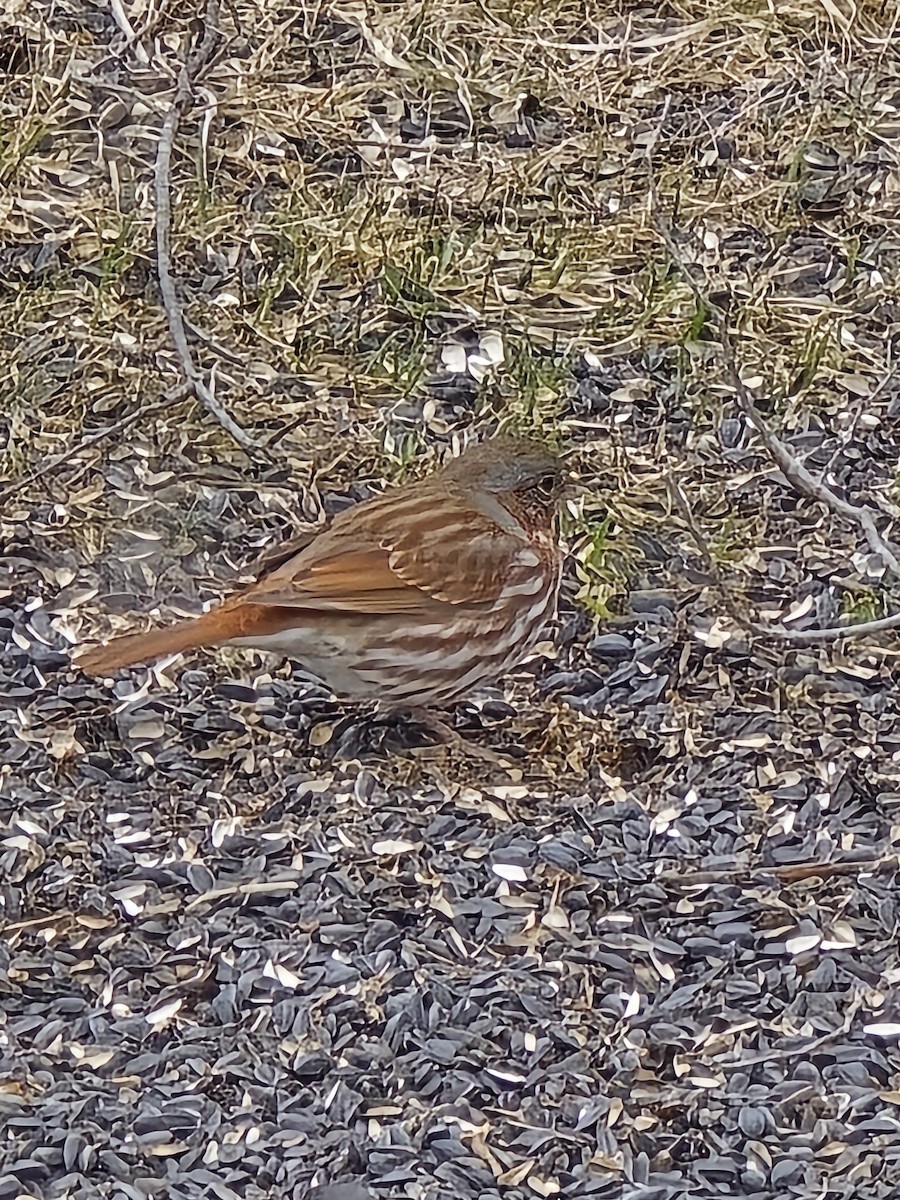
(546,485)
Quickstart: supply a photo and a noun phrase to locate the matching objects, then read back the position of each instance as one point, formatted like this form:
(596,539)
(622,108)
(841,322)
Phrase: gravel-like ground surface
(253,944)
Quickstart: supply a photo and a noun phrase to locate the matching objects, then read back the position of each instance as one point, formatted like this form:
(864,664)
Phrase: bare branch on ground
(785,872)
(834,633)
(191,70)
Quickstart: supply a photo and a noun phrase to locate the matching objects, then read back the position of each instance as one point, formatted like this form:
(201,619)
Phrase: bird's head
(525,476)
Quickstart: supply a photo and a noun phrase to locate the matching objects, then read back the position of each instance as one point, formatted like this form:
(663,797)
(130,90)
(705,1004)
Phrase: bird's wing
(396,554)
(275,556)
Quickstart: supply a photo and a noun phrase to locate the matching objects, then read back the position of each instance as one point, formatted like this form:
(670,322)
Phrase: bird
(415,598)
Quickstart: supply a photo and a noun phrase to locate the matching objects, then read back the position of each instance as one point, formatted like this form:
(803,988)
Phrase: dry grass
(359,188)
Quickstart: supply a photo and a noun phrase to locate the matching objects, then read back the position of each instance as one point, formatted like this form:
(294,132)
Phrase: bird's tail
(133,648)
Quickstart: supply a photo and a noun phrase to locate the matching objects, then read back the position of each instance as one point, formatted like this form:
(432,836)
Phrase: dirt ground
(252,944)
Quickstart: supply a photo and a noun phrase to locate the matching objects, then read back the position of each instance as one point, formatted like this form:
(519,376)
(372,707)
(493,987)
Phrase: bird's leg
(448,736)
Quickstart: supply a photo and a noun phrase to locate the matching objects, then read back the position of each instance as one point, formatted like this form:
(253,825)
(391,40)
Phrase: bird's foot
(413,730)
(447,736)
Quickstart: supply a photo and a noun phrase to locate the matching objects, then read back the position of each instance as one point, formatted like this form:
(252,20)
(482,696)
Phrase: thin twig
(680,500)
(179,392)
(190,71)
(770,1056)
(786,873)
(832,633)
(793,1052)
(214,344)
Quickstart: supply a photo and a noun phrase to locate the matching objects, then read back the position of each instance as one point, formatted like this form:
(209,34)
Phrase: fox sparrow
(415,597)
